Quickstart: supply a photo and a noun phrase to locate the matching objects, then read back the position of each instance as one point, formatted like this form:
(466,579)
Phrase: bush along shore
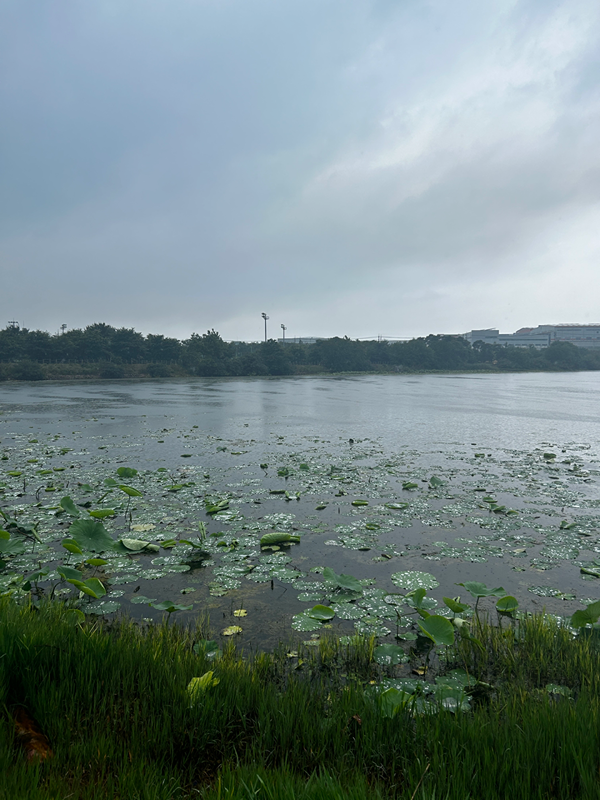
(470,708)
(101,351)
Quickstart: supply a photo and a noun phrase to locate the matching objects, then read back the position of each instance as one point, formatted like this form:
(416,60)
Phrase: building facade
(541,336)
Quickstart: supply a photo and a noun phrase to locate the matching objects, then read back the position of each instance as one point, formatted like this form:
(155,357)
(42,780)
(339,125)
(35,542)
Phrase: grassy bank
(114,703)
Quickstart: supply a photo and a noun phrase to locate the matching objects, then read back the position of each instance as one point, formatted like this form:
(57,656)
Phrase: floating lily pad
(105,607)
(278,537)
(389,655)
(413,579)
(232,630)
(302,622)
(320,612)
(91,535)
(139,546)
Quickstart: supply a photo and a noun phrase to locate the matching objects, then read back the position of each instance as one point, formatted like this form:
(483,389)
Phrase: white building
(541,336)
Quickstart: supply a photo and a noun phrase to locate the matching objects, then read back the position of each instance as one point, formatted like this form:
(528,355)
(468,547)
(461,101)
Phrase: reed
(113,702)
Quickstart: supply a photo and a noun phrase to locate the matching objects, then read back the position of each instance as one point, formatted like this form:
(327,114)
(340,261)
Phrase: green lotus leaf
(127,472)
(69,506)
(278,537)
(438,629)
(320,612)
(389,654)
(477,589)
(91,535)
(413,579)
(129,490)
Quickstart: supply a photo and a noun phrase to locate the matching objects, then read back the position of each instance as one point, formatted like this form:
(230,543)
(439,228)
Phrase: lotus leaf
(320,612)
(477,589)
(392,700)
(12,547)
(101,513)
(389,654)
(232,630)
(343,581)
(438,629)
(137,545)
(91,535)
(69,506)
(454,604)
(197,686)
(587,617)
(69,573)
(507,605)
(127,472)
(278,537)
(207,648)
(414,580)
(302,622)
(72,547)
(92,587)
(170,607)
(129,490)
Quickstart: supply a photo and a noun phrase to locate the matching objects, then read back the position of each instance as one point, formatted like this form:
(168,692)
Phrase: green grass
(113,702)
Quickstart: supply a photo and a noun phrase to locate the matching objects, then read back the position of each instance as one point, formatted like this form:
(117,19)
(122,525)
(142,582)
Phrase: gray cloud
(182,165)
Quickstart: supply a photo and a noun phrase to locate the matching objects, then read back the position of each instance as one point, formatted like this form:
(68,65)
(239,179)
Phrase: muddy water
(326,442)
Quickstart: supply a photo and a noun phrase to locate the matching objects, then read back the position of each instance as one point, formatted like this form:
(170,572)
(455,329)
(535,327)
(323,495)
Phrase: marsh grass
(112,700)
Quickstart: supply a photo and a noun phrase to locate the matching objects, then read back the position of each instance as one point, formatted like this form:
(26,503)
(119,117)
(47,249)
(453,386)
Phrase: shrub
(27,371)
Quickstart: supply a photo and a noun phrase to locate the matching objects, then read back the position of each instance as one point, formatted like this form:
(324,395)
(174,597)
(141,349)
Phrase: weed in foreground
(114,704)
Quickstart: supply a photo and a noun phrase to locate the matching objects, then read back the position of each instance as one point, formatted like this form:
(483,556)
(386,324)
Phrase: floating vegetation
(225,530)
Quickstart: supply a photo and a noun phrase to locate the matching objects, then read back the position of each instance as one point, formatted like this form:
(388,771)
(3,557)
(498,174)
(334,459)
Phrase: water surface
(331,441)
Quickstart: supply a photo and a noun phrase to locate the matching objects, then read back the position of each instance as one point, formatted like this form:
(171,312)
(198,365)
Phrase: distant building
(300,340)
(541,336)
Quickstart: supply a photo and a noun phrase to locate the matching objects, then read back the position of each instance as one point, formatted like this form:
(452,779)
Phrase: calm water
(503,411)
(485,431)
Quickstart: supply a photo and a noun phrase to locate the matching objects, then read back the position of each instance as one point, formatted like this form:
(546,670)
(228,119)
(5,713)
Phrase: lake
(500,475)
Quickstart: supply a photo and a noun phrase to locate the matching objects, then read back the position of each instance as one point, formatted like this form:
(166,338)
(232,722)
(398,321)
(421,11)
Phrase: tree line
(100,350)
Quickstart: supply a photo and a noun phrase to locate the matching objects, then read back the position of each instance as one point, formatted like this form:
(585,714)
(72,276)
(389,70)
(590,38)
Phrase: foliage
(28,355)
(160,708)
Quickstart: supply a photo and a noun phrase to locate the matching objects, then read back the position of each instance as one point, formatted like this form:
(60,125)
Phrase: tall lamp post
(265,317)
(284,329)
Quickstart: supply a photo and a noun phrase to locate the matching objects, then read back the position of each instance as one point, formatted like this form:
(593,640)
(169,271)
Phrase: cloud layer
(360,168)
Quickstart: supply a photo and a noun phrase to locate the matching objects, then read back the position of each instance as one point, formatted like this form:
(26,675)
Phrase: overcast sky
(350,167)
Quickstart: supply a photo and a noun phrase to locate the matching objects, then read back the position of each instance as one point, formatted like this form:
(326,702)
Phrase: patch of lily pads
(252,519)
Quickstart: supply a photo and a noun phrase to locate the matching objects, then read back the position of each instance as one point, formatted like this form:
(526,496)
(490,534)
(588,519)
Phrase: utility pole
(63,327)
(284,329)
(265,317)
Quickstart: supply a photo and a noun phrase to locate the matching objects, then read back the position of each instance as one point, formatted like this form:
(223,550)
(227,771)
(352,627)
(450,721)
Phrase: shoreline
(145,378)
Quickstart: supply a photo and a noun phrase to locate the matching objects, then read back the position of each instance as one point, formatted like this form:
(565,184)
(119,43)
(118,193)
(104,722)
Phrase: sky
(349,167)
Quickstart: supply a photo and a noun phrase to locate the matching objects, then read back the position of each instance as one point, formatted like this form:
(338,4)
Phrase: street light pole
(265,317)
(284,329)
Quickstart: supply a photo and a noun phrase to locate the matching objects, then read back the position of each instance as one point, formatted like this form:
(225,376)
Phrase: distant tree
(519,358)
(449,352)
(340,355)
(128,345)
(248,364)
(207,354)
(298,353)
(96,342)
(161,349)
(69,346)
(415,354)
(275,358)
(12,344)
(377,353)
(38,346)
(564,356)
